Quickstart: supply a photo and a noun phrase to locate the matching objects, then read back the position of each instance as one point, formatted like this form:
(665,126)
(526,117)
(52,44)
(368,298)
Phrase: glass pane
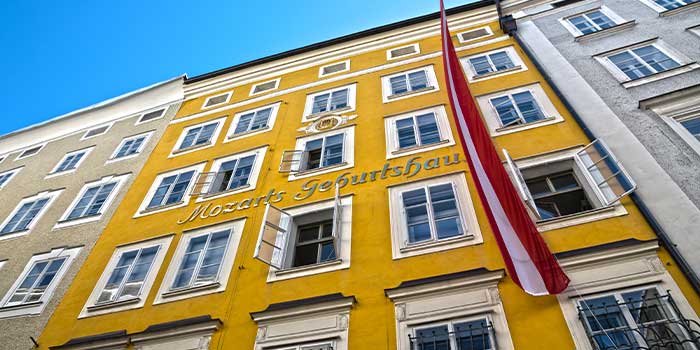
(333,152)
(418,80)
(564,182)
(190,137)
(142,264)
(501,60)
(693,126)
(183,278)
(406,133)
(428,129)
(655,58)
(327,251)
(629,65)
(339,99)
(96,206)
(399,84)
(320,103)
(244,123)
(600,19)
(261,119)
(538,186)
(481,65)
(605,320)
(308,233)
(582,24)
(206,134)
(179,188)
(473,335)
(506,111)
(433,338)
(306,255)
(240,177)
(528,106)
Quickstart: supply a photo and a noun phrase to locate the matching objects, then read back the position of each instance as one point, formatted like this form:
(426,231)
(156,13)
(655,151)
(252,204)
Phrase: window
(35,285)
(591,22)
(403,51)
(491,64)
(231,174)
(29,152)
(454,335)
(263,87)
(71,161)
(321,346)
(431,215)
(26,214)
(409,83)
(128,277)
(417,131)
(6,176)
(574,182)
(474,34)
(147,117)
(334,100)
(334,68)
(673,4)
(691,124)
(92,201)
(131,146)
(96,131)
(198,136)
(642,61)
(253,121)
(316,235)
(321,153)
(518,109)
(217,100)
(170,190)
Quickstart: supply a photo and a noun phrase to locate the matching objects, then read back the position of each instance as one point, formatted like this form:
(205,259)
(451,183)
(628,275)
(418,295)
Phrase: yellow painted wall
(534,322)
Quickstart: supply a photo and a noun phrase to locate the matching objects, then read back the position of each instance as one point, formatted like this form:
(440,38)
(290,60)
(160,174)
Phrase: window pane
(447,221)
(415,206)
(583,24)
(604,316)
(244,123)
(320,103)
(306,255)
(481,65)
(327,251)
(506,111)
(206,134)
(104,192)
(671,4)
(261,119)
(428,129)
(600,19)
(406,133)
(629,65)
(161,191)
(655,58)
(339,99)
(190,137)
(179,188)
(308,233)
(693,126)
(333,153)
(473,335)
(82,205)
(501,60)
(564,182)
(528,106)
(433,338)
(418,80)
(399,84)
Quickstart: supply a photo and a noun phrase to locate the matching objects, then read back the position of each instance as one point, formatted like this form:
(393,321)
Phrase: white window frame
(252,88)
(51,195)
(450,328)
(399,232)
(163,110)
(20,155)
(432,84)
(237,117)
(348,152)
(347,68)
(252,179)
(142,211)
(614,17)
(36,308)
(663,11)
(120,180)
(166,294)
(552,116)
(163,243)
(54,172)
(518,65)
(389,57)
(147,137)
(342,260)
(392,138)
(228,98)
(178,150)
(462,41)
(685,63)
(13,173)
(308,107)
(85,137)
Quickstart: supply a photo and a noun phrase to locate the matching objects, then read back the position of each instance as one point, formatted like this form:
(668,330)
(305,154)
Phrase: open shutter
(337,222)
(520,184)
(203,183)
(291,161)
(609,177)
(274,232)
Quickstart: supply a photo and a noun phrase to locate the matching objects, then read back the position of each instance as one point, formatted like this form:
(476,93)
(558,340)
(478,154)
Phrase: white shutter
(291,161)
(606,173)
(337,222)
(274,232)
(520,184)
(203,183)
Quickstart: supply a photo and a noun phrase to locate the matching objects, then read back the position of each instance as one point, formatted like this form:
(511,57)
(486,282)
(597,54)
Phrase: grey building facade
(60,182)
(629,69)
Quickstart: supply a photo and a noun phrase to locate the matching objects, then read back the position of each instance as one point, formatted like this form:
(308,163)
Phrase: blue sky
(70,54)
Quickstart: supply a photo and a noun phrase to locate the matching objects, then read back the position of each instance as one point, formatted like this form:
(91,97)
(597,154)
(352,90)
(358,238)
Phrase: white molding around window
(402,51)
(350,103)
(607,12)
(93,202)
(30,151)
(48,196)
(92,308)
(348,152)
(63,256)
(635,267)
(695,30)
(97,131)
(683,5)
(7,176)
(252,180)
(168,293)
(337,67)
(226,98)
(274,109)
(467,221)
(150,116)
(132,151)
(551,115)
(264,87)
(678,110)
(179,150)
(472,76)
(451,301)
(477,33)
(393,149)
(143,208)
(69,159)
(430,81)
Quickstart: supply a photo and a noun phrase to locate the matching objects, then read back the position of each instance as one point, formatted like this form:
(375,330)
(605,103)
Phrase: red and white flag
(528,259)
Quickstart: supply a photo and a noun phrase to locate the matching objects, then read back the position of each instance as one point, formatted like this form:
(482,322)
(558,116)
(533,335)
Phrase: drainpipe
(509,27)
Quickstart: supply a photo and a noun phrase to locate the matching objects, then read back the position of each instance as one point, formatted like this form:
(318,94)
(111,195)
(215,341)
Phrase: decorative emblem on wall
(327,122)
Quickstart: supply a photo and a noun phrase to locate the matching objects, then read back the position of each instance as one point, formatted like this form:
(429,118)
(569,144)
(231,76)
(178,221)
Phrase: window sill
(518,126)
(222,193)
(14,232)
(307,172)
(246,133)
(114,304)
(503,71)
(409,93)
(605,32)
(679,9)
(188,290)
(68,221)
(161,207)
(293,270)
(415,148)
(315,116)
(191,148)
(581,218)
(77,221)
(661,75)
(430,244)
(21,306)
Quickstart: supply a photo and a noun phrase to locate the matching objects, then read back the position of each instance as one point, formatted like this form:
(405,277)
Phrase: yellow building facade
(320,199)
